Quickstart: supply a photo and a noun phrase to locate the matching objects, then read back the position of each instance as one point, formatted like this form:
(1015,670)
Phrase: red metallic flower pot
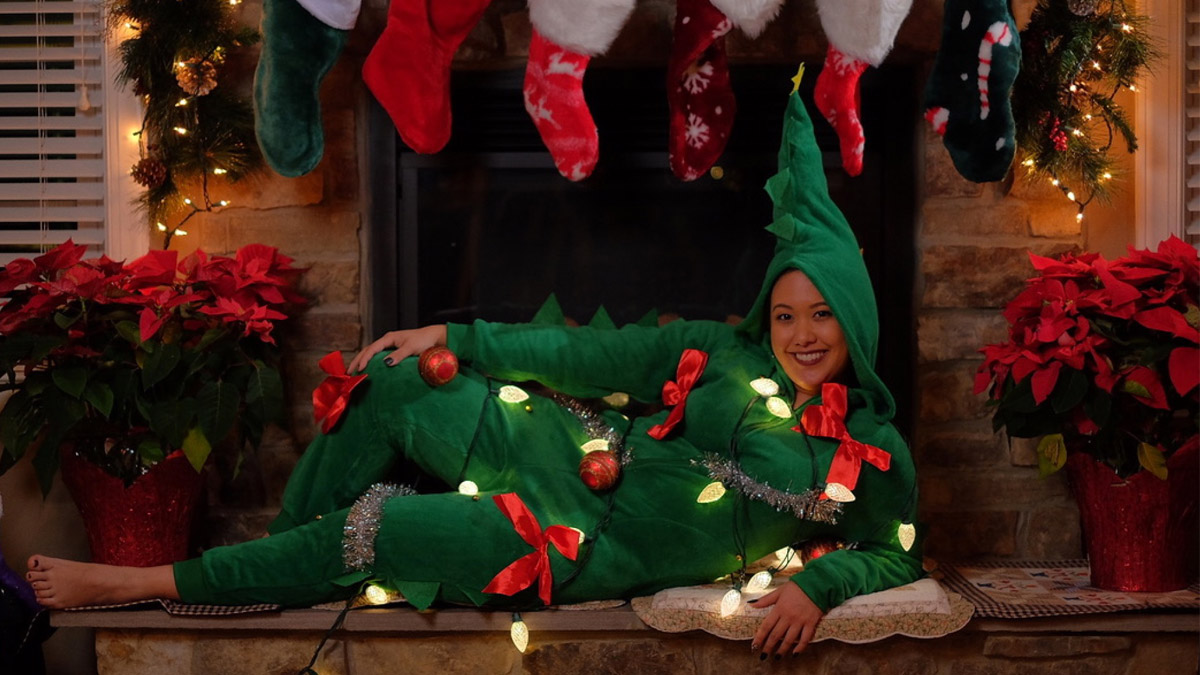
(148,523)
(1140,531)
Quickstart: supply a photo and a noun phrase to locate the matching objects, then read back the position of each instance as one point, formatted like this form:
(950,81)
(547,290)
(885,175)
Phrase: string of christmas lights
(1077,56)
(193,128)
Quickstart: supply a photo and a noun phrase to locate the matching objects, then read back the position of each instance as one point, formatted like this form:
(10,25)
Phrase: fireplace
(488,229)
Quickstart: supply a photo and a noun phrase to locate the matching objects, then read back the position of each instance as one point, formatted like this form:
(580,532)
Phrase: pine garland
(194,125)
(1076,57)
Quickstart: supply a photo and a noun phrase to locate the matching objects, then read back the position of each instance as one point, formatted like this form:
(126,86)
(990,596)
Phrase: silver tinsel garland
(594,426)
(362,525)
(806,505)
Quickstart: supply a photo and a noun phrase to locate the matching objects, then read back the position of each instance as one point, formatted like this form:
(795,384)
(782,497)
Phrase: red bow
(691,364)
(522,572)
(829,421)
(331,396)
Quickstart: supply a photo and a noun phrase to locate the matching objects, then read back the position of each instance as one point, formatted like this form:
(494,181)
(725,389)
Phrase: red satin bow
(691,364)
(331,396)
(522,572)
(828,420)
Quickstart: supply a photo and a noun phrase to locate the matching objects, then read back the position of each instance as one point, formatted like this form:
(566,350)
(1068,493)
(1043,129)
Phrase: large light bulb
(907,534)
(519,633)
(778,407)
(759,582)
(731,602)
(839,493)
(765,386)
(375,594)
(711,493)
(468,488)
(512,394)
(594,445)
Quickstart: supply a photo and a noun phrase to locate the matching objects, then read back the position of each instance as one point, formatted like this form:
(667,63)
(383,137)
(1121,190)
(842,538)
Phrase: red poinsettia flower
(1146,387)
(153,269)
(257,318)
(60,257)
(1184,367)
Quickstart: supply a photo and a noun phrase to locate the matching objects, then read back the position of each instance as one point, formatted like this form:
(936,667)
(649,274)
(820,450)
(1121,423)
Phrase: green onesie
(647,532)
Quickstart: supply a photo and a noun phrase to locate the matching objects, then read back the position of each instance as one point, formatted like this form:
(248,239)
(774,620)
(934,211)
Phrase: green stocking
(298,50)
(967,97)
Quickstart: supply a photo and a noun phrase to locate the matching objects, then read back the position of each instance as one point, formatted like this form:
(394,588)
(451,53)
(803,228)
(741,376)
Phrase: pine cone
(197,77)
(1082,7)
(149,173)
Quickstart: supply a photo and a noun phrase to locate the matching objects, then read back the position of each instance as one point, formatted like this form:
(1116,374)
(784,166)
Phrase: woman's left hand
(791,624)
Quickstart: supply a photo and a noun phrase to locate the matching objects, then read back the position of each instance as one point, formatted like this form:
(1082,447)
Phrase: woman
(785,411)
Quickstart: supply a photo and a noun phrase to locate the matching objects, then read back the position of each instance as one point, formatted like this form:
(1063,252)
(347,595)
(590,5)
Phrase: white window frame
(1159,124)
(127,232)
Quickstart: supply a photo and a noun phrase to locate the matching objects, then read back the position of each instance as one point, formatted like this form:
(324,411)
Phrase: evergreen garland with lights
(1076,56)
(192,126)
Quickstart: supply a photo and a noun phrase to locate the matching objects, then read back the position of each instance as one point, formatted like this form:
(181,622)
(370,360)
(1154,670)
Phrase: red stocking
(408,69)
(554,99)
(701,102)
(836,96)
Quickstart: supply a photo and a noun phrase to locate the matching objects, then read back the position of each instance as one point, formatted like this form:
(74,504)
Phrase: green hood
(814,237)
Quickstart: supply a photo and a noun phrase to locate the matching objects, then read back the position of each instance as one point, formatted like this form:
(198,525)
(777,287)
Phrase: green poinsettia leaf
(65,321)
(217,406)
(1052,454)
(70,379)
(1152,459)
(151,452)
(1135,388)
(197,448)
(130,331)
(265,393)
(21,420)
(100,395)
(1193,316)
(172,419)
(159,363)
(1072,387)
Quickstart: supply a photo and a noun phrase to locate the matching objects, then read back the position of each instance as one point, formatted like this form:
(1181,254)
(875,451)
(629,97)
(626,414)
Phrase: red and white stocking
(702,105)
(566,34)
(554,100)
(408,69)
(836,95)
(861,33)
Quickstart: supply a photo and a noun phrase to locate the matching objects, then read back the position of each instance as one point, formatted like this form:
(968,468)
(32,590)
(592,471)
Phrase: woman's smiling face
(805,336)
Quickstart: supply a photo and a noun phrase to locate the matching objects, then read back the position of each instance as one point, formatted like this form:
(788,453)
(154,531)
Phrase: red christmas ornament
(599,470)
(437,365)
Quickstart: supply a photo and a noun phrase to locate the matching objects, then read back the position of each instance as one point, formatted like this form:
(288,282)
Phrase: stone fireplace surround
(980,495)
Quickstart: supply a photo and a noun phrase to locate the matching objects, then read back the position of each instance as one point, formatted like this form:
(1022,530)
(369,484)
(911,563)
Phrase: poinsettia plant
(132,361)
(1102,357)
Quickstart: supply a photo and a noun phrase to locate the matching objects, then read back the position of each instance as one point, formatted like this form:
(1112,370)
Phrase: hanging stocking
(566,34)
(554,100)
(836,96)
(408,69)
(860,33)
(702,105)
(298,51)
(967,98)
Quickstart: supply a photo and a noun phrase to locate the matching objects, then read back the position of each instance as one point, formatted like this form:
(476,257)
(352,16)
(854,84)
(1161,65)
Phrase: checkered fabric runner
(176,608)
(1025,589)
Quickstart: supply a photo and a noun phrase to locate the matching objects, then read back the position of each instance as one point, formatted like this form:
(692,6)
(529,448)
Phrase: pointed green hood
(814,237)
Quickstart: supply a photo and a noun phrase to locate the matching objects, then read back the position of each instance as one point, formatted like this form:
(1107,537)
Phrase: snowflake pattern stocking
(836,96)
(702,106)
(408,69)
(967,98)
(554,100)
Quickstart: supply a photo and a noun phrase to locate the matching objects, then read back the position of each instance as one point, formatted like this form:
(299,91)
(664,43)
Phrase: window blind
(1191,73)
(52,162)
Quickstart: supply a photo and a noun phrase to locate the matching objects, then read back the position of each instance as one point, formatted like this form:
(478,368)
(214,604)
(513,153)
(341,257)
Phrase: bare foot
(59,583)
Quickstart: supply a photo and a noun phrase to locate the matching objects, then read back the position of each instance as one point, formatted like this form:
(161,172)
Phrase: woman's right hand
(405,343)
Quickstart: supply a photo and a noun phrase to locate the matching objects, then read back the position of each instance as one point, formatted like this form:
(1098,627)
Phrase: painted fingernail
(762,657)
(795,654)
(390,361)
(778,656)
